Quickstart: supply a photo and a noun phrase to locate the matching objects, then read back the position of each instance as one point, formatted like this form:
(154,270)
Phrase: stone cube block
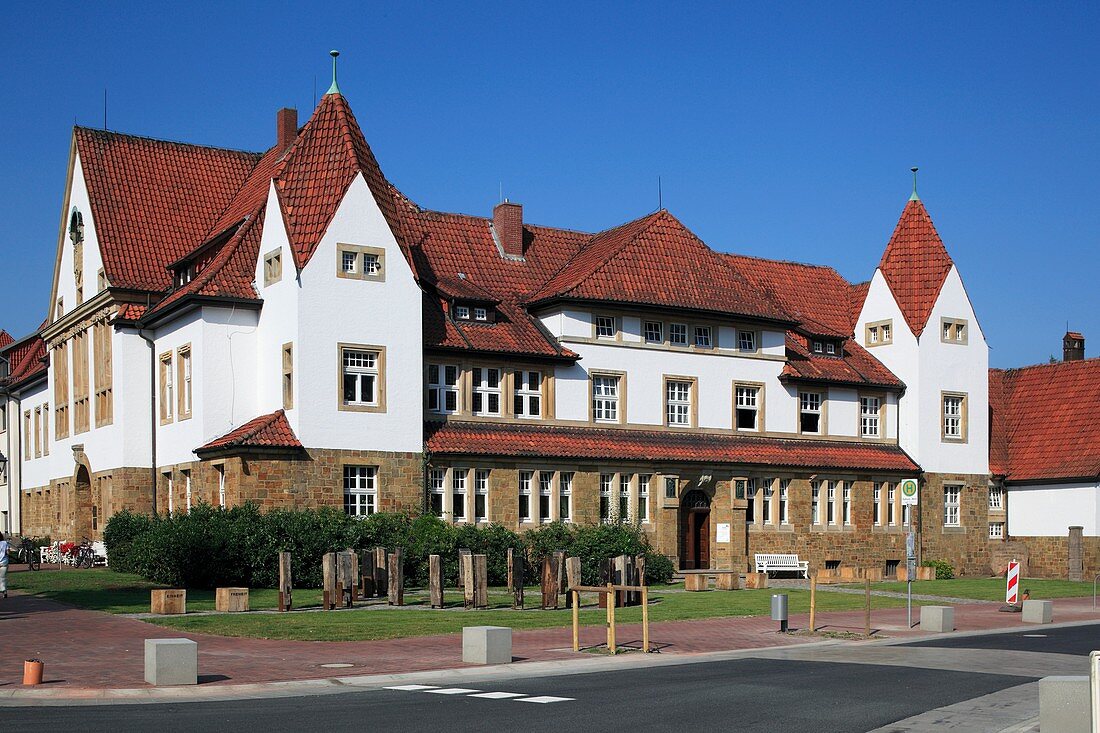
(695,581)
(937,619)
(727,581)
(756,580)
(1038,612)
(1064,704)
(171,662)
(486,645)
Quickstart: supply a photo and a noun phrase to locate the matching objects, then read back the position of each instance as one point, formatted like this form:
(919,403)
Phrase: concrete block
(1038,612)
(937,618)
(1064,704)
(171,662)
(486,645)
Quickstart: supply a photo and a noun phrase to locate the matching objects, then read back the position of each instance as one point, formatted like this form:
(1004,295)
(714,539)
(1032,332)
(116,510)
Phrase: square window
(819,347)
(481,314)
(372,264)
(746,340)
(462,312)
(996,530)
(605,327)
(654,332)
(678,334)
(349,263)
(360,369)
(702,337)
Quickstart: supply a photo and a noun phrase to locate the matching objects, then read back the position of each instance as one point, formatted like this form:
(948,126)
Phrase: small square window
(462,312)
(481,314)
(372,264)
(360,262)
(605,327)
(746,340)
(678,334)
(830,348)
(702,337)
(654,332)
(349,263)
(819,347)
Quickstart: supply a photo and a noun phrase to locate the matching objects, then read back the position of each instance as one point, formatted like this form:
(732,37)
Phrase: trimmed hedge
(212,546)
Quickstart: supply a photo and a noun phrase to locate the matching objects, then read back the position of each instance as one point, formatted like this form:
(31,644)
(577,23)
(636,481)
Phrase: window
(815,502)
(670,487)
(819,347)
(81,402)
(361,263)
(60,362)
(678,402)
(527,394)
(869,413)
(360,490)
(167,388)
(481,314)
(28,434)
(565,497)
(458,494)
(606,479)
(809,412)
(766,500)
(462,312)
(702,337)
(481,495)
(878,333)
(288,376)
(546,487)
(654,332)
(45,430)
(38,432)
(443,388)
(878,504)
(846,503)
(747,407)
(954,417)
(169,490)
(831,502)
(830,348)
(605,398)
(750,495)
(187,490)
(185,391)
(953,331)
(643,497)
(784,502)
(746,340)
(525,496)
(363,374)
(486,382)
(997,498)
(625,479)
(605,327)
(273,267)
(437,490)
(891,506)
(951,505)
(678,334)
(996,530)
(104,383)
(220,470)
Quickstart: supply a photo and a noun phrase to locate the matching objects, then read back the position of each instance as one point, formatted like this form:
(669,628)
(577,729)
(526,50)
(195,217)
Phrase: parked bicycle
(28,553)
(84,555)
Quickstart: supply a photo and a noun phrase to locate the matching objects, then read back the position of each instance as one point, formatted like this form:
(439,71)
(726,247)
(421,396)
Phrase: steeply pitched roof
(915,264)
(26,360)
(154,201)
(5,339)
(857,294)
(853,365)
(1046,421)
(531,441)
(656,260)
(270,431)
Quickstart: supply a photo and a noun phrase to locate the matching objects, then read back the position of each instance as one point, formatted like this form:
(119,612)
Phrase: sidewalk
(92,650)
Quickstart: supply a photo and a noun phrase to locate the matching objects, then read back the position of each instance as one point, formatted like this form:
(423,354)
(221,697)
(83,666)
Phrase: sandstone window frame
(808,406)
(996,498)
(378,371)
(766,515)
(681,405)
(167,391)
(997,530)
(457,489)
(443,390)
(607,402)
(754,403)
(878,333)
(954,331)
(360,262)
(61,390)
(954,407)
(46,428)
(273,266)
(625,483)
(784,502)
(81,393)
(481,495)
(360,490)
(169,488)
(565,496)
(679,335)
(607,485)
(437,491)
(526,398)
(876,503)
(876,417)
(645,481)
(219,470)
(545,497)
(102,348)
(525,479)
(606,327)
(952,505)
(845,503)
(815,503)
(185,382)
(288,375)
(483,390)
(38,431)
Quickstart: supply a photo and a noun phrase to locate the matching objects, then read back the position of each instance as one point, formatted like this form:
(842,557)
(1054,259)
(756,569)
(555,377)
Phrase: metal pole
(813,601)
(645,619)
(576,621)
(610,619)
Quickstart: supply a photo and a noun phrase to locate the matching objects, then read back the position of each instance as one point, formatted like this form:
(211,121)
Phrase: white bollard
(1038,612)
(486,645)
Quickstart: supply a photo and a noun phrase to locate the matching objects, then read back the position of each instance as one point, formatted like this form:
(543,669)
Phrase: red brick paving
(89,649)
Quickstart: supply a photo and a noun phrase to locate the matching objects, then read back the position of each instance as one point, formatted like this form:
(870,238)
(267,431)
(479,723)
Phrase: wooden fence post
(286,583)
(610,622)
(381,573)
(435,581)
(481,581)
(606,573)
(515,577)
(328,581)
(366,574)
(550,581)
(466,572)
(396,578)
(645,617)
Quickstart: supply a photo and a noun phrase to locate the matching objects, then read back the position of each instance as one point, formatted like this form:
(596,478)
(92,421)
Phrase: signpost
(909,497)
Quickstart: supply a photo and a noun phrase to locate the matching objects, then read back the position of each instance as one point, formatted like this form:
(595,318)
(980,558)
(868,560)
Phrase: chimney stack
(1073,346)
(508,225)
(286,127)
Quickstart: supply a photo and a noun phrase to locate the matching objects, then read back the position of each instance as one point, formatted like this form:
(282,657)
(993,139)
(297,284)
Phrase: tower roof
(915,265)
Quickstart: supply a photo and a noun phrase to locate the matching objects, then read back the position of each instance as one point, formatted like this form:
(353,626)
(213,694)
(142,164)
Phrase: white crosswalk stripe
(452,691)
(544,699)
(498,695)
(412,688)
(467,692)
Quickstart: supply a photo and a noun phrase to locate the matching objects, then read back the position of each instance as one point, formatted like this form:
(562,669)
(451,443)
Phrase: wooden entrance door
(695,531)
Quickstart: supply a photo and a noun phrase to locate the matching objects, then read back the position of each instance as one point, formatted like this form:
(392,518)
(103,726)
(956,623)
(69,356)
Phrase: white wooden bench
(769,562)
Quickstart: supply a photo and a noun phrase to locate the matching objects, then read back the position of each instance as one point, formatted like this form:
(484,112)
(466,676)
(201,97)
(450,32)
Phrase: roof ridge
(787,262)
(165,141)
(1007,371)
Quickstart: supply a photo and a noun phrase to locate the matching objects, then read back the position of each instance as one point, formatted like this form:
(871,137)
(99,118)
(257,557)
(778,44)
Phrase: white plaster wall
(1050,510)
(337,310)
(843,412)
(93,260)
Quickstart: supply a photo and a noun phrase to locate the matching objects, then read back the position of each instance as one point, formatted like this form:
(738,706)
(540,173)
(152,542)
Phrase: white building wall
(334,310)
(92,259)
(1049,510)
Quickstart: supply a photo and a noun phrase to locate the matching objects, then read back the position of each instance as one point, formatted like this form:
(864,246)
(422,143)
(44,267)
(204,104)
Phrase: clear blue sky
(780,130)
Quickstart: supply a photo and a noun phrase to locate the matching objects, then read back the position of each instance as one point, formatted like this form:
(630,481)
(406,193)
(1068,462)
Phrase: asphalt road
(1079,640)
(742,695)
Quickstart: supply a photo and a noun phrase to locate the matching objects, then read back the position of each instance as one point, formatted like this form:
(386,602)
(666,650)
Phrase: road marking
(1036,636)
(544,699)
(499,695)
(452,691)
(412,688)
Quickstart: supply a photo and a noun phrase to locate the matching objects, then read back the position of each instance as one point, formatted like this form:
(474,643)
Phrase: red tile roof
(656,260)
(915,264)
(852,366)
(857,294)
(27,360)
(531,441)
(266,431)
(1046,421)
(5,339)
(154,201)
(815,295)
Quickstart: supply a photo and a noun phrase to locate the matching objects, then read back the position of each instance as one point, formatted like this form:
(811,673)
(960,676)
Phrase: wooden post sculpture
(572,577)
(397,579)
(366,575)
(345,578)
(605,578)
(550,581)
(328,573)
(639,577)
(559,572)
(381,574)
(515,577)
(435,581)
(619,576)
(481,581)
(462,552)
(466,573)
(286,584)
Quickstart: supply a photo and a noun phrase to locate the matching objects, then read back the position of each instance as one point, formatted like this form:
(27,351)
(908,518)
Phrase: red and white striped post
(1012,591)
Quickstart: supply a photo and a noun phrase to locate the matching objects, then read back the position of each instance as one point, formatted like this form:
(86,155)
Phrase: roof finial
(914,197)
(333,89)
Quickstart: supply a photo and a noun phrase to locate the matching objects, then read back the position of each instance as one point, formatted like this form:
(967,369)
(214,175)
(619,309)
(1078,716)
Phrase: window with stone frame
(443,388)
(654,332)
(747,407)
(830,493)
(38,432)
(481,495)
(678,334)
(625,479)
(815,502)
(361,376)
(220,469)
(951,505)
(167,388)
(891,505)
(28,435)
(606,327)
(877,496)
(996,498)
(678,399)
(527,393)
(360,490)
(750,501)
(605,397)
(525,480)
(288,376)
(565,496)
(361,263)
(437,491)
(273,267)
(996,530)
(458,494)
(846,503)
(486,391)
(185,385)
(954,417)
(746,341)
(784,501)
(186,474)
(606,481)
(643,497)
(546,495)
(766,495)
(103,379)
(45,429)
(809,415)
(870,416)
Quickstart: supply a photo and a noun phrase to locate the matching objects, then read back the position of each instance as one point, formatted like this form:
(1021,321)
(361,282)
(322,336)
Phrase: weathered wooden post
(621,575)
(572,577)
(468,572)
(515,577)
(550,581)
(353,578)
(462,552)
(435,581)
(396,578)
(345,578)
(606,573)
(639,572)
(328,584)
(366,575)
(481,581)
(286,583)
(381,582)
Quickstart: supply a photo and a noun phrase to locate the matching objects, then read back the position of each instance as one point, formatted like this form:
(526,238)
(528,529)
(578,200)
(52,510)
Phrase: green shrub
(944,569)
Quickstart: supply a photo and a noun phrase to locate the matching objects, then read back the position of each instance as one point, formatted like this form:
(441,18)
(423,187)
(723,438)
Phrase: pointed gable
(5,339)
(915,265)
(658,261)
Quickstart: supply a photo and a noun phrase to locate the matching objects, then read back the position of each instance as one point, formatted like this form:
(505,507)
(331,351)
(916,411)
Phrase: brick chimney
(1073,346)
(508,225)
(286,127)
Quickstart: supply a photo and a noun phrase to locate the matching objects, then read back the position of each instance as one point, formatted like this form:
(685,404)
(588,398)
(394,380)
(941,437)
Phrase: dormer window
(605,327)
(462,312)
(819,347)
(184,276)
(481,314)
(830,348)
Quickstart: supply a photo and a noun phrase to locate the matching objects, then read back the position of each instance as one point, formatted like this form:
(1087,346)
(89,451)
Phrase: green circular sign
(909,488)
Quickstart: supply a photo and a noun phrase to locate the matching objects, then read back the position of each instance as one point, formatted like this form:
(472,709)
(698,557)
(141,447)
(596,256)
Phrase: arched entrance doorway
(695,531)
(80,518)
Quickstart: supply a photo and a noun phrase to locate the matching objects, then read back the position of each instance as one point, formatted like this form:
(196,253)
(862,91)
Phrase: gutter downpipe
(152,414)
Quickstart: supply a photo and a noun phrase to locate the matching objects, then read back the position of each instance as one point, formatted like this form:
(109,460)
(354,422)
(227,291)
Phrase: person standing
(5,548)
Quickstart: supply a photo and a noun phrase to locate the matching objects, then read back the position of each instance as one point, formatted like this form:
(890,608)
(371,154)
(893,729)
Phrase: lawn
(991,589)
